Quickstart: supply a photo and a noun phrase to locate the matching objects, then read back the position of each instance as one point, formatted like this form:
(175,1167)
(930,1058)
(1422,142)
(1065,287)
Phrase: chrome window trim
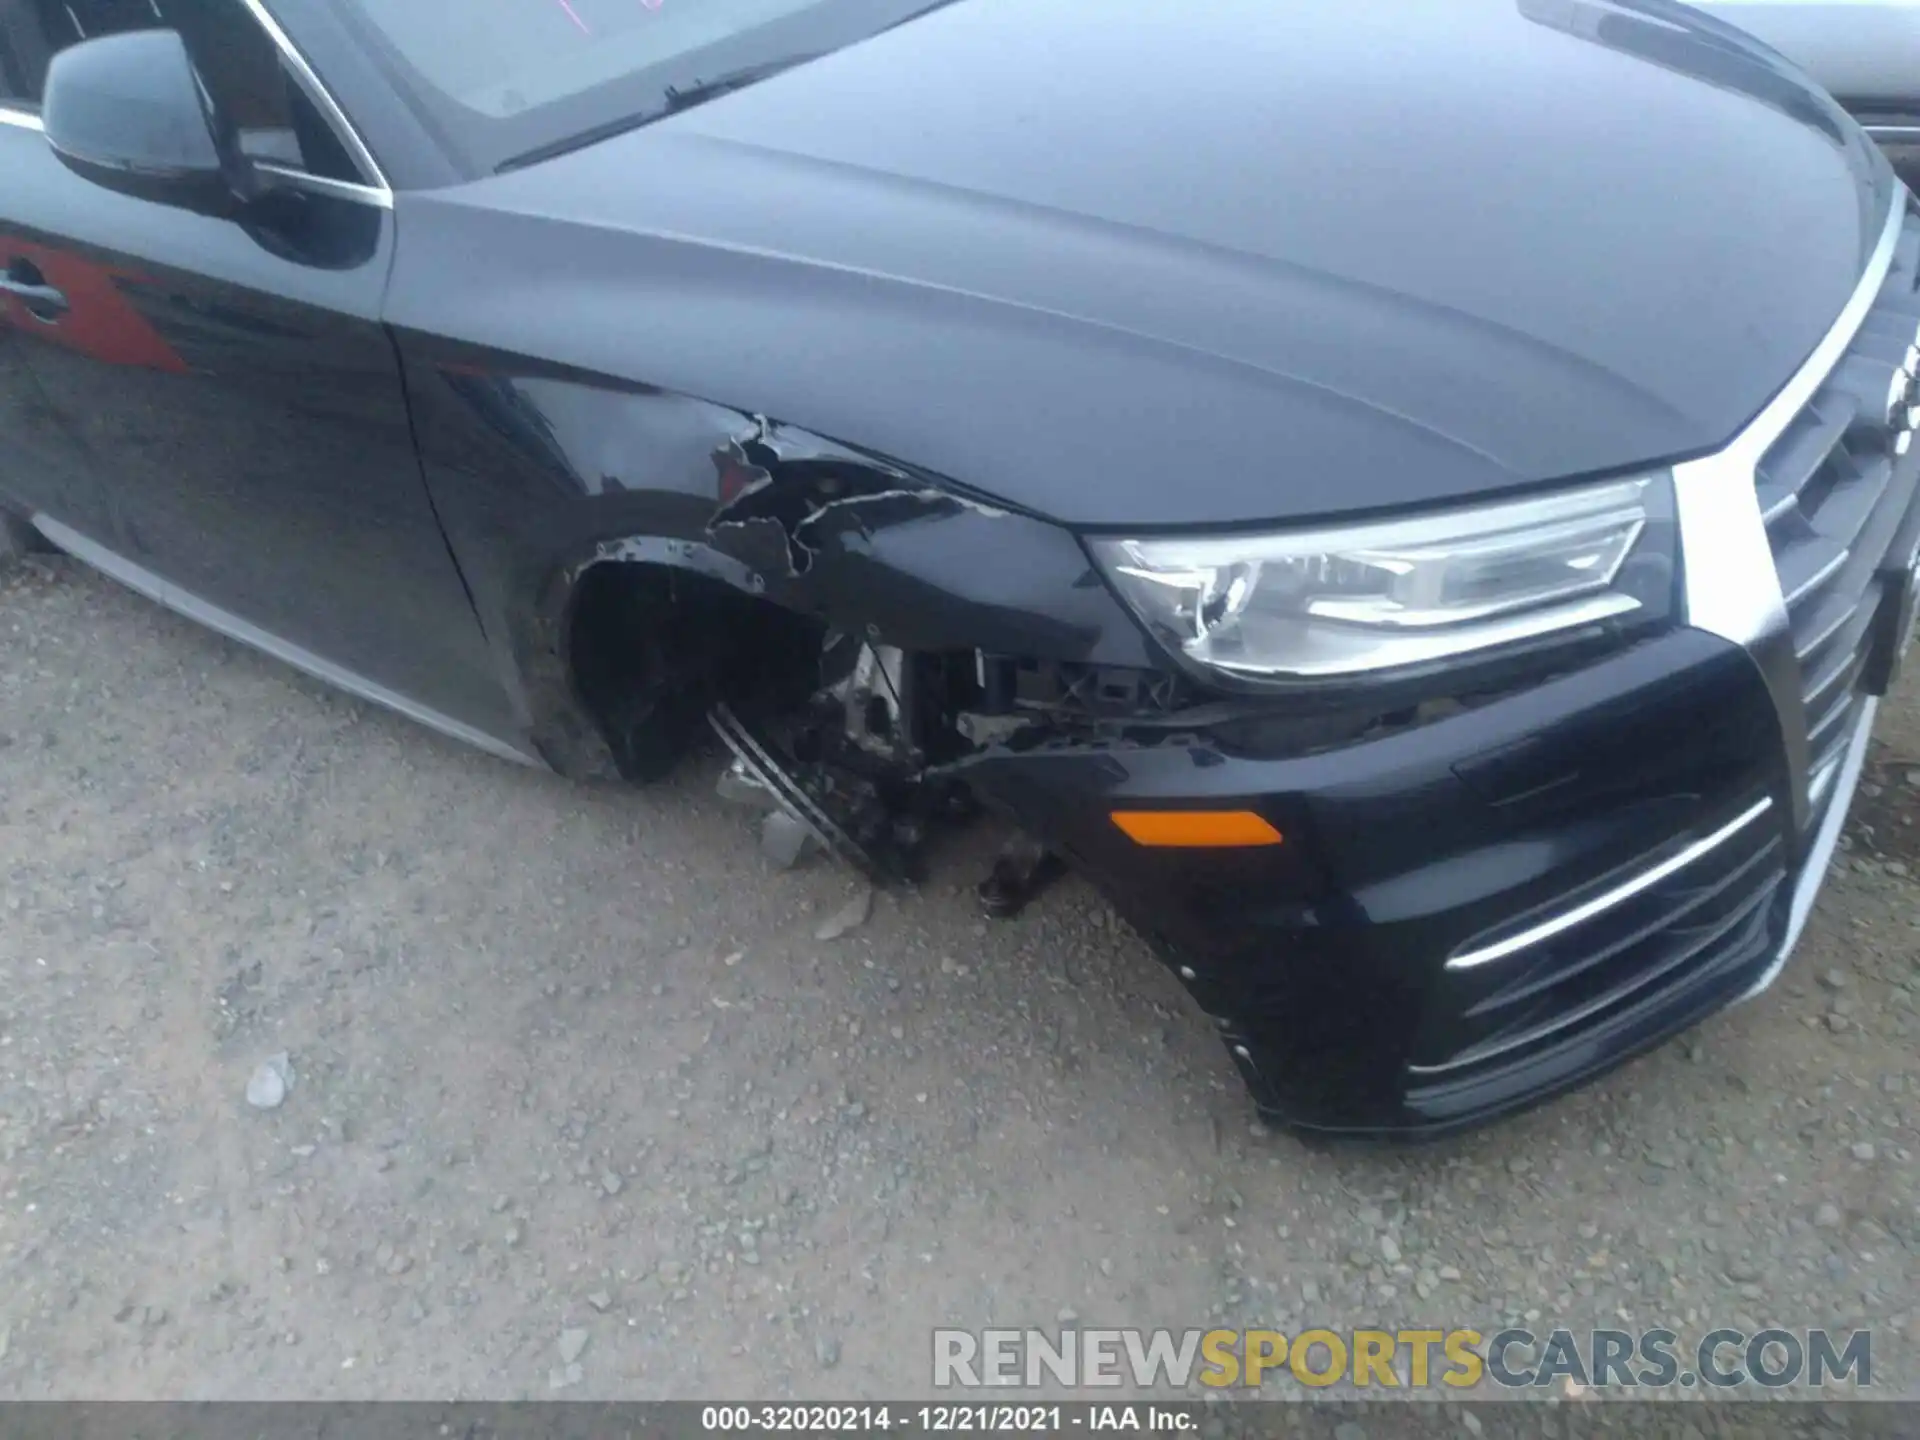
(24,119)
(1619,895)
(329,109)
(1731,586)
(298,179)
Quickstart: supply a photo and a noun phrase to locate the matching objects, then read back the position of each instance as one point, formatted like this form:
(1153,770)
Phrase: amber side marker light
(1195,829)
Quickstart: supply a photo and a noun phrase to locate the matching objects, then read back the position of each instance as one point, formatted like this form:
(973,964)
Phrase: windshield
(509,81)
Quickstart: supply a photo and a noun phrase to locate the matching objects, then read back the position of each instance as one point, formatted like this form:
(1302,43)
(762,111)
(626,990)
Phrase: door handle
(25,283)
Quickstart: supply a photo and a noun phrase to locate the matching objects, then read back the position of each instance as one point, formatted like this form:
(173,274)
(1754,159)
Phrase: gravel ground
(573,1083)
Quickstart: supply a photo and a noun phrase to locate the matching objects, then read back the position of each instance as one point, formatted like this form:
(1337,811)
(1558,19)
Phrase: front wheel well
(651,647)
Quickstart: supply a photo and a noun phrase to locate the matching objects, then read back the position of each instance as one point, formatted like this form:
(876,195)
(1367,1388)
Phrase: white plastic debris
(848,917)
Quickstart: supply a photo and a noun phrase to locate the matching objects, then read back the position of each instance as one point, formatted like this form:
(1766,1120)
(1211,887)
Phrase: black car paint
(270,471)
(1102,302)
(1162,332)
(44,471)
(1404,846)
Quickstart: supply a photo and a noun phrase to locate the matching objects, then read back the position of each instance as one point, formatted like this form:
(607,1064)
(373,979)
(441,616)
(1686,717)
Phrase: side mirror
(129,113)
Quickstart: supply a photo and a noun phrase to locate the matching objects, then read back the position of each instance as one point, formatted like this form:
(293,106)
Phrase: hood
(1167,264)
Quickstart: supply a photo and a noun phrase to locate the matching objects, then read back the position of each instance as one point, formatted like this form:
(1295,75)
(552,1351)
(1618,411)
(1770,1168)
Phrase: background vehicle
(1865,52)
(1341,585)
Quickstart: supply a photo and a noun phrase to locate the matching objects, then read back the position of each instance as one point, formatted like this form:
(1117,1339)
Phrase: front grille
(1835,489)
(1635,947)
(1629,957)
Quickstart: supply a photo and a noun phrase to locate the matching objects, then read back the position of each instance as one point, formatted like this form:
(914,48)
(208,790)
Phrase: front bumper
(1610,855)
(1468,916)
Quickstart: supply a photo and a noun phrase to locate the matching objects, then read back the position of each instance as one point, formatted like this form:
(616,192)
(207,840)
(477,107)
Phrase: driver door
(232,389)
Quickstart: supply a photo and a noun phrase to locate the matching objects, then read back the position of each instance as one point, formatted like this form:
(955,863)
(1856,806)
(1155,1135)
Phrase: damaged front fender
(902,623)
(873,547)
(540,473)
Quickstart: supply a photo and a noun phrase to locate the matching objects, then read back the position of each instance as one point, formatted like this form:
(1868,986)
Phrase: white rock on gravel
(267,1087)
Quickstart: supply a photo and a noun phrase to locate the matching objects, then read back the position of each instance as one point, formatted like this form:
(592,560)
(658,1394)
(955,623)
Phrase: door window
(241,66)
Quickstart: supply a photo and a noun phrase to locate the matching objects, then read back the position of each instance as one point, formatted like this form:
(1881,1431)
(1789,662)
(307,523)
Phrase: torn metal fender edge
(561,725)
(692,555)
(920,570)
(777,486)
(889,506)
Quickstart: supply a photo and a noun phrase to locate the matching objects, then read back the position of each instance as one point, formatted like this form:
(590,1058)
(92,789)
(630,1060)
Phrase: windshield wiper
(698,92)
(675,99)
(685,97)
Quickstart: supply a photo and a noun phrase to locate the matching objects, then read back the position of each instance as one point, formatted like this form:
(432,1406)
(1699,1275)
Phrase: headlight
(1353,600)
